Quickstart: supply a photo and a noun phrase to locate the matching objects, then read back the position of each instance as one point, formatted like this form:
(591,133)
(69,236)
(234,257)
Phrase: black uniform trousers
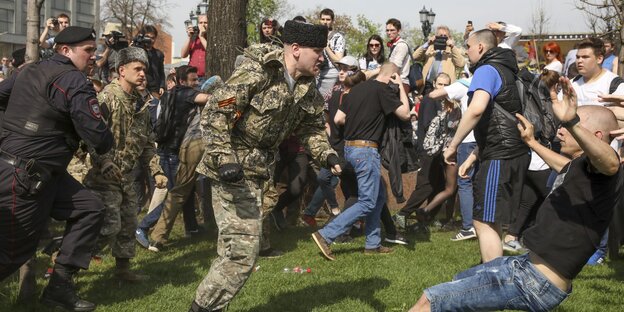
(429,182)
(24,217)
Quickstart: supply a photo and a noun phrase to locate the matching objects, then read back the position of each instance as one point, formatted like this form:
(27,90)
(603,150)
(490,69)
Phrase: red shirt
(197,58)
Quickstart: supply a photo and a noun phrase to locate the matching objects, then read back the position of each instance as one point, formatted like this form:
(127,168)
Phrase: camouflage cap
(131,54)
(304,34)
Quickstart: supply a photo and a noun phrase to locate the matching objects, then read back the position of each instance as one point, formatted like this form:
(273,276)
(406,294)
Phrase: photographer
(440,55)
(56,25)
(156,69)
(195,46)
(114,41)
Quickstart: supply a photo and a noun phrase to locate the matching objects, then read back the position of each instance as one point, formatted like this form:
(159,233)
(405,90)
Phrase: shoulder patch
(94,108)
(227,102)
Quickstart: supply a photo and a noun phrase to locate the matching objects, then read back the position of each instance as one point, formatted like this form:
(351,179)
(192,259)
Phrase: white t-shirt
(458,91)
(372,65)
(400,57)
(555,66)
(587,93)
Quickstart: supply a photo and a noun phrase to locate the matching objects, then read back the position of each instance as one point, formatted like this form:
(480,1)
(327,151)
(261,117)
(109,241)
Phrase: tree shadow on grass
(323,295)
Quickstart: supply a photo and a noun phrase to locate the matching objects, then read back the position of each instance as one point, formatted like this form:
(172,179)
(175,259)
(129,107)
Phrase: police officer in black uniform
(49,107)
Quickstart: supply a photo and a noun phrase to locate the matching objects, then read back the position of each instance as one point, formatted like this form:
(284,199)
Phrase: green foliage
(354,282)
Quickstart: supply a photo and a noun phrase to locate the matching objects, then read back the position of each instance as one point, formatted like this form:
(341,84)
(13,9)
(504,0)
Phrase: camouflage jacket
(246,119)
(132,132)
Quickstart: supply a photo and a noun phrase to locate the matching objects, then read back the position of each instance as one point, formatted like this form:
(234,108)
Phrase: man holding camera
(114,40)
(155,74)
(55,24)
(195,46)
(440,55)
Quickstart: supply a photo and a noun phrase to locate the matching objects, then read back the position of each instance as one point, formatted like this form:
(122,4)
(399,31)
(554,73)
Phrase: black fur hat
(304,34)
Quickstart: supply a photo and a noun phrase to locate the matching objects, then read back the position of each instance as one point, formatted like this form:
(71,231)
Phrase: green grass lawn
(354,282)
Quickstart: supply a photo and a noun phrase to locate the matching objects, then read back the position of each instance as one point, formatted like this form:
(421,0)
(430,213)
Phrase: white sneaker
(464,235)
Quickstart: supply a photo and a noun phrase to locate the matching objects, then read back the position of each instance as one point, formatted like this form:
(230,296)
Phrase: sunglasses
(374,45)
(549,52)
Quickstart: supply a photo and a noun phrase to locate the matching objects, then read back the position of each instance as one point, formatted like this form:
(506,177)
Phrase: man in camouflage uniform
(269,97)
(110,178)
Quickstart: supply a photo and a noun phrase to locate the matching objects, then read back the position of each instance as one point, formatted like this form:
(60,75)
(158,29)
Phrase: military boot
(197,308)
(123,273)
(61,291)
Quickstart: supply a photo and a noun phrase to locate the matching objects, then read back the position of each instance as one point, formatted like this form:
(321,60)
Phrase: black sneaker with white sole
(396,238)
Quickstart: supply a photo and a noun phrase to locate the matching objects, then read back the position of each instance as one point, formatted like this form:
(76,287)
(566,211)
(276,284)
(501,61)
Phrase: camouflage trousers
(237,209)
(120,219)
(269,201)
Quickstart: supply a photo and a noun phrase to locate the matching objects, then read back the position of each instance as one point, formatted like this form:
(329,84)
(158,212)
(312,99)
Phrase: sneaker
(381,250)
(278,220)
(321,243)
(464,235)
(271,253)
(308,220)
(396,238)
(343,239)
(597,258)
(513,246)
(141,237)
(155,247)
(399,221)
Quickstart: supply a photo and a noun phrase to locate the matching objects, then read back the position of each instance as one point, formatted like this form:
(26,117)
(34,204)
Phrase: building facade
(13,19)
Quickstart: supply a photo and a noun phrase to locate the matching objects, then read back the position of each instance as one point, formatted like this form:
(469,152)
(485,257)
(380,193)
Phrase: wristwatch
(570,123)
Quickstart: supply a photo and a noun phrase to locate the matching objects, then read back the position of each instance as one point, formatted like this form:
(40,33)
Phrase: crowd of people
(95,142)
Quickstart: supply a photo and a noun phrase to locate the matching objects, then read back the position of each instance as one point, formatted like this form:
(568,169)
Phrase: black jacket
(498,136)
(398,155)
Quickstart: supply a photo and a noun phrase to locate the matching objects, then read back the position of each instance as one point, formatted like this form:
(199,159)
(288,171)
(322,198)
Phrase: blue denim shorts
(503,283)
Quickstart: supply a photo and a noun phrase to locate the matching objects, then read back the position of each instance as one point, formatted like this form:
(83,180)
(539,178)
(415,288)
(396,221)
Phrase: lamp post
(427,17)
(202,8)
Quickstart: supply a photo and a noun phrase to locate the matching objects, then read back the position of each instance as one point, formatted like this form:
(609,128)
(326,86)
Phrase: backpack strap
(615,83)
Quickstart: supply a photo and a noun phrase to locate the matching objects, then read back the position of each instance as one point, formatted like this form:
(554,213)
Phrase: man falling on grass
(568,227)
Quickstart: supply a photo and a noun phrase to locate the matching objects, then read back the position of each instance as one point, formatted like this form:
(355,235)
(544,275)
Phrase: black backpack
(164,128)
(536,108)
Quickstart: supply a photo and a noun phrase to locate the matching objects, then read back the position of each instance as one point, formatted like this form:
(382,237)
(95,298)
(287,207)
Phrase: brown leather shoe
(381,250)
(323,246)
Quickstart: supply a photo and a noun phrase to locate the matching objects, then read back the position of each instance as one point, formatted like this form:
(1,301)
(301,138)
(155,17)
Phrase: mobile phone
(469,22)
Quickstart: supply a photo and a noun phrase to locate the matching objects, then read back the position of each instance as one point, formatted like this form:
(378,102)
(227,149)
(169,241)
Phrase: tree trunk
(32,30)
(621,54)
(227,35)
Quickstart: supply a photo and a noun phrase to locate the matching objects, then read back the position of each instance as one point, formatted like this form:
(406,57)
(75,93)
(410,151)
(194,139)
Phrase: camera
(140,41)
(55,22)
(116,40)
(439,44)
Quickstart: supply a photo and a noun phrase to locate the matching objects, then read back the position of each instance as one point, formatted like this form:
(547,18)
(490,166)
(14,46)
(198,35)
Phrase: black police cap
(74,34)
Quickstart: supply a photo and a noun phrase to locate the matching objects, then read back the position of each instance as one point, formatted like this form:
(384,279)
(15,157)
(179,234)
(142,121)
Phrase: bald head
(388,68)
(598,118)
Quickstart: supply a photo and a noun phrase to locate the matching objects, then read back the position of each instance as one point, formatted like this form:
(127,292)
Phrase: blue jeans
(169,162)
(464,186)
(509,283)
(326,190)
(371,197)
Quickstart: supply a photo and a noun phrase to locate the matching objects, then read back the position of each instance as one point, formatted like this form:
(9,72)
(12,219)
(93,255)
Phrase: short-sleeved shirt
(486,78)
(197,56)
(572,219)
(366,107)
(338,44)
(400,56)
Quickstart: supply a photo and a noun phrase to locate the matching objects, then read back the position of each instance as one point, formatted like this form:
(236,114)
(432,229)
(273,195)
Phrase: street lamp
(427,17)
(202,8)
(193,18)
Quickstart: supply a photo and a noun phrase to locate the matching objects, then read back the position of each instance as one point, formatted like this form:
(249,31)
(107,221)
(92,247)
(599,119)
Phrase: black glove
(332,160)
(230,172)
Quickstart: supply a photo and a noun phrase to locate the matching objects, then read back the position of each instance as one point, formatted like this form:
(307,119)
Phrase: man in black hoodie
(503,157)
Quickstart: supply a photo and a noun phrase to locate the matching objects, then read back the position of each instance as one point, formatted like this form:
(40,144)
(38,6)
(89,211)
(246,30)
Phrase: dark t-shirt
(366,107)
(574,216)
(156,70)
(336,135)
(184,112)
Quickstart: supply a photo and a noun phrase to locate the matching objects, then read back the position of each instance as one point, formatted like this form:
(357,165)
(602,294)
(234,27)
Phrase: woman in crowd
(374,57)
(268,30)
(552,57)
